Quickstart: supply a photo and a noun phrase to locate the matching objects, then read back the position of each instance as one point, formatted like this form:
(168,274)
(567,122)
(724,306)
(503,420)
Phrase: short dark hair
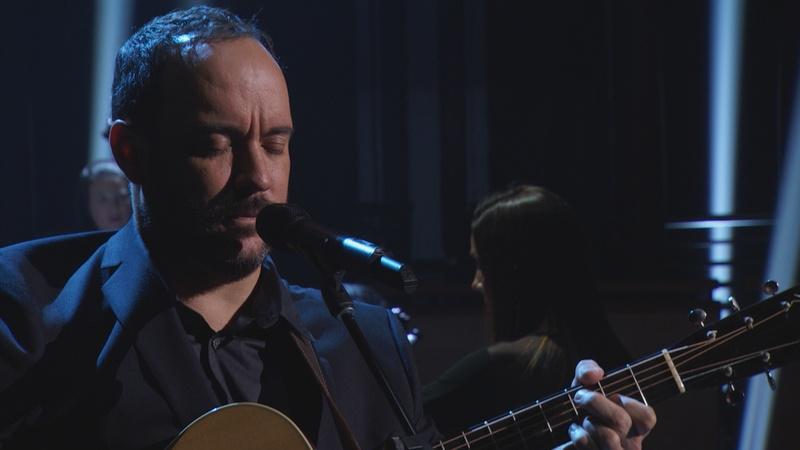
(143,56)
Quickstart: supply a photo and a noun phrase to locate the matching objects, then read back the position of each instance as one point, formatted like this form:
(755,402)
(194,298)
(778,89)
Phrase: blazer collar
(132,286)
(278,289)
(145,307)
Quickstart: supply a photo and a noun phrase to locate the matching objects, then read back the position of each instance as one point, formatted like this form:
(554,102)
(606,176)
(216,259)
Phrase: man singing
(119,341)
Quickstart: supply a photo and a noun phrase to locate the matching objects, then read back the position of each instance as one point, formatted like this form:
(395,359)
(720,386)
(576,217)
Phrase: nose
(252,169)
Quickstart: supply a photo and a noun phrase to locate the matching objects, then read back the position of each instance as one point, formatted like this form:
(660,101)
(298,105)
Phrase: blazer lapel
(145,307)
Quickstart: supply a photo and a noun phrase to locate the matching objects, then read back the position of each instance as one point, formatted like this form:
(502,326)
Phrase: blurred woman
(106,193)
(533,271)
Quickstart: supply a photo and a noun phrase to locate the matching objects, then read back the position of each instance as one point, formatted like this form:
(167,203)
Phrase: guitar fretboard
(652,379)
(544,423)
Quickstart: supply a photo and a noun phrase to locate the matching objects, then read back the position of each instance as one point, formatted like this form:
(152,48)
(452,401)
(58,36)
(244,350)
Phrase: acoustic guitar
(757,339)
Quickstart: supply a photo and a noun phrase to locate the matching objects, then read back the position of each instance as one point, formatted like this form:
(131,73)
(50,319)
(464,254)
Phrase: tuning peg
(732,395)
(697,317)
(770,287)
(768,371)
(733,304)
(771,380)
(413,336)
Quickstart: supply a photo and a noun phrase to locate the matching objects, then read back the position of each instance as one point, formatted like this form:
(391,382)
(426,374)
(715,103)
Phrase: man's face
(220,152)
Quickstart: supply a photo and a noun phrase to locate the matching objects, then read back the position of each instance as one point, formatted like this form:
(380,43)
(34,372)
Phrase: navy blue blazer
(92,352)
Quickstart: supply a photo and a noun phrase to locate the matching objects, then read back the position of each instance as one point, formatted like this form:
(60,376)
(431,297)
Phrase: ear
(127,149)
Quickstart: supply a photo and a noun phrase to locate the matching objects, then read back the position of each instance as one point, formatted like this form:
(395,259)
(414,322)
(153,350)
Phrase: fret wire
(491,434)
(656,357)
(551,422)
(505,440)
(548,418)
(545,417)
(624,379)
(637,385)
(516,425)
(570,419)
(465,439)
(557,418)
(566,391)
(646,360)
(532,427)
(601,389)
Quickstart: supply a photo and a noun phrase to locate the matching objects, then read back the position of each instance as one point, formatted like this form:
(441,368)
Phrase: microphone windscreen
(276,224)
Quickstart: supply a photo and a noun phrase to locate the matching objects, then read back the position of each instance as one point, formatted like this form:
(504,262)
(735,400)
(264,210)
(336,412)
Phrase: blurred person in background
(532,268)
(106,194)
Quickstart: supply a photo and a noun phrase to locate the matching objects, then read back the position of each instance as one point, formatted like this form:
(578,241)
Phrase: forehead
(234,76)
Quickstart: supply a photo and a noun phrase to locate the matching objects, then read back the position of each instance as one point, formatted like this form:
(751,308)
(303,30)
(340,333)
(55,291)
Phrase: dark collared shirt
(254,359)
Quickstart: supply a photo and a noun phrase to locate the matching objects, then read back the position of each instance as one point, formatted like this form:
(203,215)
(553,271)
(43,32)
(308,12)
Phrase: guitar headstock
(749,341)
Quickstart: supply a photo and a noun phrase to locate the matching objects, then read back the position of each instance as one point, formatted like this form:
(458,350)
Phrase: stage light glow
(112,21)
(726,16)
(725,50)
(718,223)
(782,267)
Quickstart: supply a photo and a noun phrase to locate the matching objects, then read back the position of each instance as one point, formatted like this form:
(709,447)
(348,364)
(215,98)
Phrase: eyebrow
(232,131)
(279,131)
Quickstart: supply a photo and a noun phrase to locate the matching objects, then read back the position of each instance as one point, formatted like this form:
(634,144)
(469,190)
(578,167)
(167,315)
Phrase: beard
(198,236)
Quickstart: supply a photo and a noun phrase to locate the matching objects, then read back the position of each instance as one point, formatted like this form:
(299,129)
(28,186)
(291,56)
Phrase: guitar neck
(543,424)
(757,339)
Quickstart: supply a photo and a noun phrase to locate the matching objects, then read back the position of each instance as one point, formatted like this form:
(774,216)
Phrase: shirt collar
(269,303)
(277,288)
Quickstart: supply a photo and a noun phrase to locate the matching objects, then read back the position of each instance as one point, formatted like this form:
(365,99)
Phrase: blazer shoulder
(314,313)
(55,258)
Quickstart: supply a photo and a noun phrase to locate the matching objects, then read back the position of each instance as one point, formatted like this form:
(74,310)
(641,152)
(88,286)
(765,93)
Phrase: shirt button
(216,342)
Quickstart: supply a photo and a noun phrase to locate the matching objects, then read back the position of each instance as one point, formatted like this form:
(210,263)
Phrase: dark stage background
(408,112)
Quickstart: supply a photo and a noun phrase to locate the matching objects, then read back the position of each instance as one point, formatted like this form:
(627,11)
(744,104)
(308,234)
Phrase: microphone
(288,227)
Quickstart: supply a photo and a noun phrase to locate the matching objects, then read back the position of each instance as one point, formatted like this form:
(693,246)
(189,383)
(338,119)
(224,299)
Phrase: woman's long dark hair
(533,255)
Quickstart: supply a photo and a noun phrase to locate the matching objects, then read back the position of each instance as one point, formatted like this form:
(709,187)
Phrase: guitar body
(241,426)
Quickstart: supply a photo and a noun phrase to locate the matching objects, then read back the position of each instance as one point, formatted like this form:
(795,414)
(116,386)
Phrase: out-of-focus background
(671,126)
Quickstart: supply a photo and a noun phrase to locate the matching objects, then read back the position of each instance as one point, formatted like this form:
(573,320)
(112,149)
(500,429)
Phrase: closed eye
(276,140)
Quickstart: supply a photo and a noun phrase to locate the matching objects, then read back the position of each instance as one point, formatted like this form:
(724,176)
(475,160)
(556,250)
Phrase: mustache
(228,207)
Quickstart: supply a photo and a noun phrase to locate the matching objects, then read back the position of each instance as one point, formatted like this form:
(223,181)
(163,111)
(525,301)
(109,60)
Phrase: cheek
(280,180)
(96,208)
(204,179)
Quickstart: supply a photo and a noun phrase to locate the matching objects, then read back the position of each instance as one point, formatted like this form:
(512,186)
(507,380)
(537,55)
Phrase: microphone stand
(340,305)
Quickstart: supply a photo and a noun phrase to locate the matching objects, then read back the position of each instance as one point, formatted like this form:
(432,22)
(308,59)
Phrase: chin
(250,255)
(252,246)
(228,257)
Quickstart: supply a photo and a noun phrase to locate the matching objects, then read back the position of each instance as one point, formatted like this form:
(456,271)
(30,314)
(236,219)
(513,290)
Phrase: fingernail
(573,428)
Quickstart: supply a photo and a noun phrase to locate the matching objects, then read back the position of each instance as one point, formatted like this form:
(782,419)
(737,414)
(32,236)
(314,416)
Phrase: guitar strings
(686,356)
(538,424)
(507,437)
(554,414)
(736,360)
